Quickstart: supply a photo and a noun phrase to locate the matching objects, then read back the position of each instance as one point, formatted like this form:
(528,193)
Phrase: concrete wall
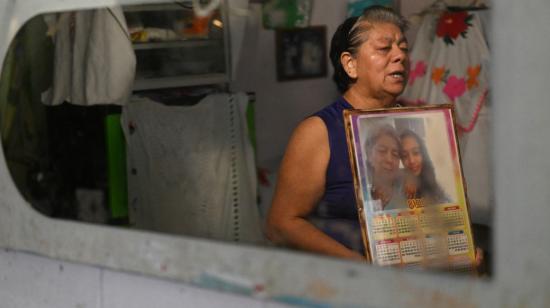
(31,281)
(280,106)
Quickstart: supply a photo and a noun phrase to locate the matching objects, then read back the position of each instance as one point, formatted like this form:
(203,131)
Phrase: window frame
(291,277)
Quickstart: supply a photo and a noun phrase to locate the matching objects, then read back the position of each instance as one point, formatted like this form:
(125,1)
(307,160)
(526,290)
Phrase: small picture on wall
(301,53)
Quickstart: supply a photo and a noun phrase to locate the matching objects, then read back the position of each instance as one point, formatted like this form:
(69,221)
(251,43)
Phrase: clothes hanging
(191,168)
(449,64)
(94,62)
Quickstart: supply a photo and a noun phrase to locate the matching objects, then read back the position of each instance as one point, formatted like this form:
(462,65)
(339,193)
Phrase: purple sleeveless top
(339,199)
(336,214)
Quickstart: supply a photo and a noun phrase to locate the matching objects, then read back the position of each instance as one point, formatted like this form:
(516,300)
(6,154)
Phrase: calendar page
(409,188)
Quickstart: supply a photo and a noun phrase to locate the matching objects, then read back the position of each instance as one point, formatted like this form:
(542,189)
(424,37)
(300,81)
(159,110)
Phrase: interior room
(173,117)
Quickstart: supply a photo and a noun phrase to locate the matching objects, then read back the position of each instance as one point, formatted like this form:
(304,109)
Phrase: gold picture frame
(409,187)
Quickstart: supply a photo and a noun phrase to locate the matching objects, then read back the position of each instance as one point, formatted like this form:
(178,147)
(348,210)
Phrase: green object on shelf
(116,165)
(286,13)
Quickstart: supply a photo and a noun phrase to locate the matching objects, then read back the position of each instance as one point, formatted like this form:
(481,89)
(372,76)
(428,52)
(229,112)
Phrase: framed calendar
(409,187)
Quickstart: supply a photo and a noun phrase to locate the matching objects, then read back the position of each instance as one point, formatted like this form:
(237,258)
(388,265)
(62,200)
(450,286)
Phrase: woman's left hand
(479,258)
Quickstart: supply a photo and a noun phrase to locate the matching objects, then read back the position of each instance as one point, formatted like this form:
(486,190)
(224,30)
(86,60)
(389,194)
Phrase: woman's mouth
(389,168)
(398,76)
(415,169)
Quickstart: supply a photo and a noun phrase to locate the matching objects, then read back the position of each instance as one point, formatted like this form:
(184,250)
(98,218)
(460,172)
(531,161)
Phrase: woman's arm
(300,186)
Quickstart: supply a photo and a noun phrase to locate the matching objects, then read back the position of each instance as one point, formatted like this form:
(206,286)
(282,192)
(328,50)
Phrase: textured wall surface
(31,281)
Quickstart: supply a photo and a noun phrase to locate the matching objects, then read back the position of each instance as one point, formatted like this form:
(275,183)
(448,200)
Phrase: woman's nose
(399,55)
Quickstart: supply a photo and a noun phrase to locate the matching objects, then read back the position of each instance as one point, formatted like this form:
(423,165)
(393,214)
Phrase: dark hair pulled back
(338,45)
(348,38)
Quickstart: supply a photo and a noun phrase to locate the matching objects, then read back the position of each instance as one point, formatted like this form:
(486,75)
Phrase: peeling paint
(321,289)
(231,283)
(300,301)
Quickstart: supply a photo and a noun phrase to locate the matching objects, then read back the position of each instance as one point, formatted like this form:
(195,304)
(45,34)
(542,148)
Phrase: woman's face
(411,155)
(382,64)
(384,158)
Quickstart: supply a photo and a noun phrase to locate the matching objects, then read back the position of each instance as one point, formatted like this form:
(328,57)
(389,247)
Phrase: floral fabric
(452,24)
(449,64)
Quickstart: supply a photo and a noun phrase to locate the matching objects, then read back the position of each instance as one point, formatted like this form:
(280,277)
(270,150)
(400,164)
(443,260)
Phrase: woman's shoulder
(312,134)
(308,145)
(311,128)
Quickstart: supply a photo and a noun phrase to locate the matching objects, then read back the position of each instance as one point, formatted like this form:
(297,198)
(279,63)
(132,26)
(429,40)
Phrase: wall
(31,281)
(280,106)
(409,9)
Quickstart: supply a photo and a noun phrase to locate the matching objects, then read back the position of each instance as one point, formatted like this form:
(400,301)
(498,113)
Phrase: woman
(420,176)
(383,149)
(369,55)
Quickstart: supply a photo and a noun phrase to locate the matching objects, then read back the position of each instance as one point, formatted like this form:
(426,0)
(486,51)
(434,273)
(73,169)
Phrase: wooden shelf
(169,76)
(157,7)
(180,81)
(178,44)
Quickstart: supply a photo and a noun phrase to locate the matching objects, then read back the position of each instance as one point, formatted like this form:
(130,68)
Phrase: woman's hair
(427,183)
(348,37)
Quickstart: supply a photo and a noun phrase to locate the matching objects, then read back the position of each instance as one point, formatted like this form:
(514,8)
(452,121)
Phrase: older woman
(369,55)
(383,149)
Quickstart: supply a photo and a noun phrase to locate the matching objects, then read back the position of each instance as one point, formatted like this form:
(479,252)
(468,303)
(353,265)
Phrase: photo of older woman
(419,175)
(383,149)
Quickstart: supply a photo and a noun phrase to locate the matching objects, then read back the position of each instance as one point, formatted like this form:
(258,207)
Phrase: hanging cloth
(191,168)
(94,61)
(449,64)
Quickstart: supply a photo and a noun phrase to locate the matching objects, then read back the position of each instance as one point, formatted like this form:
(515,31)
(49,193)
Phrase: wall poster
(409,187)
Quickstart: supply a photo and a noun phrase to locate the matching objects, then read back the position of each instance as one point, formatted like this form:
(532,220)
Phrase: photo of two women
(405,164)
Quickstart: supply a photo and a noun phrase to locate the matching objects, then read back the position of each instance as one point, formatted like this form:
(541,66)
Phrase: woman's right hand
(355,256)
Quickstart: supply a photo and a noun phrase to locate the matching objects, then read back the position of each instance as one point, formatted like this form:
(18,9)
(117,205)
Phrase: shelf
(180,81)
(157,7)
(177,44)
(183,60)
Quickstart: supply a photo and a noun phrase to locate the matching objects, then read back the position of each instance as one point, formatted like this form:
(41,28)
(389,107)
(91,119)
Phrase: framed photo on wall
(301,53)
(409,187)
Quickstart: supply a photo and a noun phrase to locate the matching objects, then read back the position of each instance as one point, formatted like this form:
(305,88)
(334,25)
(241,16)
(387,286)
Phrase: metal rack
(183,61)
